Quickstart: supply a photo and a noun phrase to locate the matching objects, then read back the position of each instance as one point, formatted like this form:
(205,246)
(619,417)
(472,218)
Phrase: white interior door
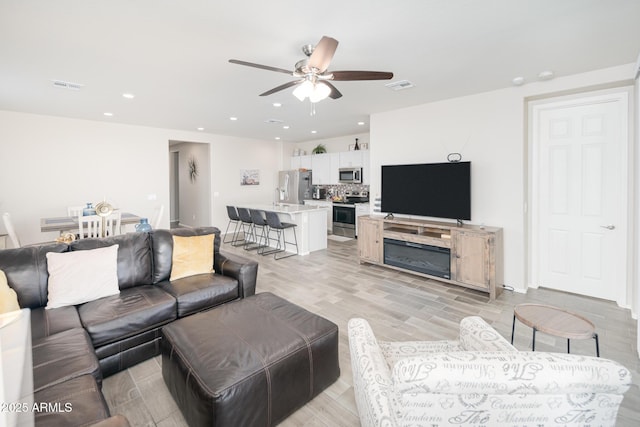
(580,196)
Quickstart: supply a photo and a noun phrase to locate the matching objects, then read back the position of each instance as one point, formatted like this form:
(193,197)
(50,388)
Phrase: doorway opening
(189,184)
(174,188)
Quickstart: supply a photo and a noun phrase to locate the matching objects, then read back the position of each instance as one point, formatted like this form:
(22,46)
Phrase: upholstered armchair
(479,379)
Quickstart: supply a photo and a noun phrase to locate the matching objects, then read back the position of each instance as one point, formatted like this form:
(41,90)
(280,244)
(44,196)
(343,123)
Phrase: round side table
(554,321)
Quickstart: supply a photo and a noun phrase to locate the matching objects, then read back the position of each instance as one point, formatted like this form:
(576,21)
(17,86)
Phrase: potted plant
(320,149)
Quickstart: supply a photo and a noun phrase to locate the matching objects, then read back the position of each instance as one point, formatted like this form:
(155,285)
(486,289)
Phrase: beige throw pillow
(192,255)
(8,297)
(82,276)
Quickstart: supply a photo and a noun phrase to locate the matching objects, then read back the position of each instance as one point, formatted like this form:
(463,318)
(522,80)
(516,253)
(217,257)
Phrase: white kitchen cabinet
(326,205)
(301,162)
(325,168)
(351,159)
(366,169)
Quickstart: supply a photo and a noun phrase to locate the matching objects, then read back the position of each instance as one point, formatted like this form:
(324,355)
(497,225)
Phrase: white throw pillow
(81,276)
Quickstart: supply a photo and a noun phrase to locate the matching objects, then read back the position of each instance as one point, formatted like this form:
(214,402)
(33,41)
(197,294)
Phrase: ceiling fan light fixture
(303,90)
(320,91)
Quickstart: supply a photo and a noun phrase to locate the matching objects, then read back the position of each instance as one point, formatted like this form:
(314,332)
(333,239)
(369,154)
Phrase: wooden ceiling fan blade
(281,87)
(361,75)
(323,53)
(335,93)
(264,67)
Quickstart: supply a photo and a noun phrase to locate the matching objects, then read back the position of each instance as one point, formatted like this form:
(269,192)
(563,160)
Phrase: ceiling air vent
(273,121)
(399,85)
(66,85)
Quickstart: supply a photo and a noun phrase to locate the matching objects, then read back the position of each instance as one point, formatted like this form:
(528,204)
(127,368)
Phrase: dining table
(65,223)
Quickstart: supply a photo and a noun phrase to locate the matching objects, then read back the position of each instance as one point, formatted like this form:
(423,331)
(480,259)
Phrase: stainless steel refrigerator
(294,187)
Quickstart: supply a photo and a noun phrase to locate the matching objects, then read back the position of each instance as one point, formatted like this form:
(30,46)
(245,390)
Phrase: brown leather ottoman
(248,363)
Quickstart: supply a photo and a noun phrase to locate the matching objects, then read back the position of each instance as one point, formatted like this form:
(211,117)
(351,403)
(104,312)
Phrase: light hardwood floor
(399,307)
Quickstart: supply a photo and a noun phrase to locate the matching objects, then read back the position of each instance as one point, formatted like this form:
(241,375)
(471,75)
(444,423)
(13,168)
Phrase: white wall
(489,130)
(228,156)
(48,163)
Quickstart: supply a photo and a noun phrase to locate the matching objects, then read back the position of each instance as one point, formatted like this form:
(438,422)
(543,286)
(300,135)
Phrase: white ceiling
(173,55)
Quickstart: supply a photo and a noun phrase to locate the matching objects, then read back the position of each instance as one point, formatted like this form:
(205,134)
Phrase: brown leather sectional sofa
(74,347)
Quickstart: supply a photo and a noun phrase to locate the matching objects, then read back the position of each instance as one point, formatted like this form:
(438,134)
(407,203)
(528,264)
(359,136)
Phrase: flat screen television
(441,190)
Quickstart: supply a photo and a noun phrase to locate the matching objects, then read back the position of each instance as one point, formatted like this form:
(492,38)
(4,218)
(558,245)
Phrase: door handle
(609,227)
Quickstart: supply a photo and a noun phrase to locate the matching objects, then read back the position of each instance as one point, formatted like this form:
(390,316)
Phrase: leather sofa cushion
(62,356)
(26,270)
(134,256)
(162,246)
(81,394)
(48,322)
(120,355)
(200,292)
(131,312)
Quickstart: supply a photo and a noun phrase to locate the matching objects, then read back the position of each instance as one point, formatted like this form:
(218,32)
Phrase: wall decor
(193,169)
(250,177)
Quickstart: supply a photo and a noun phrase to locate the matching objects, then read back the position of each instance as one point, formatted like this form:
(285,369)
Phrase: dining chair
(246,226)
(260,223)
(89,226)
(234,219)
(111,225)
(11,231)
(274,223)
(74,211)
(157,217)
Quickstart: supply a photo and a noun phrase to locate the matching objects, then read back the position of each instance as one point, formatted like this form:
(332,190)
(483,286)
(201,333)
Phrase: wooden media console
(467,255)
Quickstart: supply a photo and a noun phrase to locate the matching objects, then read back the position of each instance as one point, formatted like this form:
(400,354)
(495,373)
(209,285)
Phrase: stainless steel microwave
(350,175)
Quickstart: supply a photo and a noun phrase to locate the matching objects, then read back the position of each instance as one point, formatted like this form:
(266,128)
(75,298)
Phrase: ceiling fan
(313,78)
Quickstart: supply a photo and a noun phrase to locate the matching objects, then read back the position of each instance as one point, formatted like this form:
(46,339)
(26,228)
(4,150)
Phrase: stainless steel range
(344,213)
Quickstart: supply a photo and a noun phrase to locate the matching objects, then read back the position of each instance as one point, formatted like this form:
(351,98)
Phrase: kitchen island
(311,222)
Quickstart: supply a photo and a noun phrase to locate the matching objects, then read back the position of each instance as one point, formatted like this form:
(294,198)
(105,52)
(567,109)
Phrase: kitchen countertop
(283,208)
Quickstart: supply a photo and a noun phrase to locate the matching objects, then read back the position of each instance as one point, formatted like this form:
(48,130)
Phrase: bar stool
(273,221)
(260,222)
(235,220)
(246,226)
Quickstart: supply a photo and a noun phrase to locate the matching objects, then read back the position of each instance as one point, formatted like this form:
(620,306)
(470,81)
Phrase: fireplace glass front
(427,259)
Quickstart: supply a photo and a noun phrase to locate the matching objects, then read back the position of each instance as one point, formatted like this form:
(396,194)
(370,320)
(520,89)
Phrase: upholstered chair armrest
(371,376)
(509,388)
(510,373)
(242,269)
(478,335)
(394,351)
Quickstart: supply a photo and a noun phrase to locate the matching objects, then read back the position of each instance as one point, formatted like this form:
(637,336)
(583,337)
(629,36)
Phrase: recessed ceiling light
(200,128)
(277,104)
(286,127)
(233,118)
(314,131)
(518,81)
(545,75)
(108,114)
(128,95)
(360,123)
(277,137)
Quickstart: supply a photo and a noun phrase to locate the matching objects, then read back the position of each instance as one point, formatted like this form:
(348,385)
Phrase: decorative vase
(89,210)
(143,226)
(356,147)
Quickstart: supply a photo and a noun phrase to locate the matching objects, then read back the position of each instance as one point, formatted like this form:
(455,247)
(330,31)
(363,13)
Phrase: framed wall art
(249,177)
